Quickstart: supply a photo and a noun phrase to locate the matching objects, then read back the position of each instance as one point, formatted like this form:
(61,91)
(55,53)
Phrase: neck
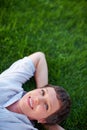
(15,107)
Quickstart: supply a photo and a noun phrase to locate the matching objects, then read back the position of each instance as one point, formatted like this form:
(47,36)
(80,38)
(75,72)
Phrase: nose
(38,100)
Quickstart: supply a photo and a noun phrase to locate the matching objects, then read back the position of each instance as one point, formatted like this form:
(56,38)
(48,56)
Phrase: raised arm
(41,73)
(41,77)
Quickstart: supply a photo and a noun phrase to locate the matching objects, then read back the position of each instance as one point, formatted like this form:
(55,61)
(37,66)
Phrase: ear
(42,121)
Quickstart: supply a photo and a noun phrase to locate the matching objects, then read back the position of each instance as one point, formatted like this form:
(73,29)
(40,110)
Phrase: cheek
(40,108)
(41,112)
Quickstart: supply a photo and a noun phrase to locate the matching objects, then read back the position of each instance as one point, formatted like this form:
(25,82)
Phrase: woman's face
(38,104)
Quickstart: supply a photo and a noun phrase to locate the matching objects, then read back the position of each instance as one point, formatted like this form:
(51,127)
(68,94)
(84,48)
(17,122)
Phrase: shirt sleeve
(20,71)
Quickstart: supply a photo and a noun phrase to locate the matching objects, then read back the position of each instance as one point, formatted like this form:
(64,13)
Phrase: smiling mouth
(30,102)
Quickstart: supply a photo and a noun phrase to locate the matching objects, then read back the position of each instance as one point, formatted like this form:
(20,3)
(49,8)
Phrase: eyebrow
(49,102)
(46,90)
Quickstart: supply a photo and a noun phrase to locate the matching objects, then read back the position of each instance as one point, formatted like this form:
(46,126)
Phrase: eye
(42,92)
(46,106)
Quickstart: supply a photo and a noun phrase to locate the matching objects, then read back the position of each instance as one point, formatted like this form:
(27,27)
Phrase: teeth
(31,103)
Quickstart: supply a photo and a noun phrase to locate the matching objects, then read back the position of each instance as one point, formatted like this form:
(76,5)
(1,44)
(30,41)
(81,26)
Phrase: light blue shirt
(11,81)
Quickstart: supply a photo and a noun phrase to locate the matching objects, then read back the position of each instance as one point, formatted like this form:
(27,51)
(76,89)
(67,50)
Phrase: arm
(41,77)
(41,73)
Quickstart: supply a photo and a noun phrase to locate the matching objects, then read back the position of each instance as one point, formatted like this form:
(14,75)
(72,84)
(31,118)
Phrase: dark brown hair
(65,104)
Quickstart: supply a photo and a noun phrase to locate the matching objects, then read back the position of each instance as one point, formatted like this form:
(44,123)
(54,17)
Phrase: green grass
(59,29)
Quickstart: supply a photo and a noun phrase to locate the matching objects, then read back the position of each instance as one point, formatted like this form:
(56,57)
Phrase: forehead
(52,99)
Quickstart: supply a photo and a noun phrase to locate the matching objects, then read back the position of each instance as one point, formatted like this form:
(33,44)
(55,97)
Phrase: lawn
(59,29)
